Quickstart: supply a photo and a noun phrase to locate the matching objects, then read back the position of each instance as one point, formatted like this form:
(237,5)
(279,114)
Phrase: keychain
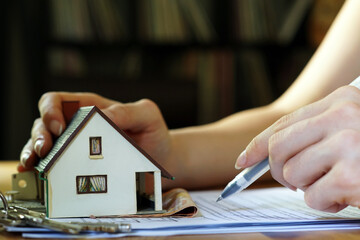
(16,216)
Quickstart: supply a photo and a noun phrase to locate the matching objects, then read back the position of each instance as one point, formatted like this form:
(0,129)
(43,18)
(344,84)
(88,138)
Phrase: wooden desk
(9,167)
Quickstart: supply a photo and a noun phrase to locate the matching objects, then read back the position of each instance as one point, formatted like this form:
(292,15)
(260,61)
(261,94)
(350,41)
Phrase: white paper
(262,210)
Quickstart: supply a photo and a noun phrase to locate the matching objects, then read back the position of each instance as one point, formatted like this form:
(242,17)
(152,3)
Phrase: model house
(94,168)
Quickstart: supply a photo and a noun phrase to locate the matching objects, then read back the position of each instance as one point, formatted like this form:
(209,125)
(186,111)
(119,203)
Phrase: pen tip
(219,199)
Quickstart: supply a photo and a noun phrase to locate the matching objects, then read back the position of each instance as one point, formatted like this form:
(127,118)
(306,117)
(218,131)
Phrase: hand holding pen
(315,149)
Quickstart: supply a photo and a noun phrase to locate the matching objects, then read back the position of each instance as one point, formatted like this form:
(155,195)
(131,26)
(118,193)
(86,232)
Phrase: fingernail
(38,146)
(292,188)
(23,158)
(56,127)
(20,168)
(289,186)
(241,160)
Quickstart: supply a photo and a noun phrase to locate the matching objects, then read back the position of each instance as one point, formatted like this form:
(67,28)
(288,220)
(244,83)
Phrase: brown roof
(78,121)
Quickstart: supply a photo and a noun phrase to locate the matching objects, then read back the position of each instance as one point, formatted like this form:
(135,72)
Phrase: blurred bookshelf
(214,50)
(199,60)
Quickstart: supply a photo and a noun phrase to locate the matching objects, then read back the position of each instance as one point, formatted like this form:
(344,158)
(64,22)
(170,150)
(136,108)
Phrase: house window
(91,184)
(95,146)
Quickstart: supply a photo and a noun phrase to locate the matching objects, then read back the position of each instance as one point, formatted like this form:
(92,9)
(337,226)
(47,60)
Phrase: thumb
(256,151)
(141,116)
(51,113)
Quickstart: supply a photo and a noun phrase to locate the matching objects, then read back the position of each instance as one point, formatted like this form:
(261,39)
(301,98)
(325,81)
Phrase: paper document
(260,210)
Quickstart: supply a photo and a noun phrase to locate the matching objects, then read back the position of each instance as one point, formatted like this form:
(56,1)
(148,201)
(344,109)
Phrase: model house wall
(118,163)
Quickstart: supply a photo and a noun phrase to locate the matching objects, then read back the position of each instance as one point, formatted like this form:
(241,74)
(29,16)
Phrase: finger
(41,138)
(308,131)
(335,208)
(21,168)
(257,149)
(335,190)
(304,134)
(311,164)
(50,107)
(51,113)
(290,141)
(143,115)
(27,157)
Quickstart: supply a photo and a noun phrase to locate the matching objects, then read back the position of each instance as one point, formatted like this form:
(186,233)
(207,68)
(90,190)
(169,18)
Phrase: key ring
(5,203)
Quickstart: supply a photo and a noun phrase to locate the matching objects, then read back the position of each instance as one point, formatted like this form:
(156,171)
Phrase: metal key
(105,227)
(36,220)
(17,216)
(4,214)
(5,221)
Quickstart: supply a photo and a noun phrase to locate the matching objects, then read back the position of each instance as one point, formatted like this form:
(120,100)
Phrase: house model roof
(76,124)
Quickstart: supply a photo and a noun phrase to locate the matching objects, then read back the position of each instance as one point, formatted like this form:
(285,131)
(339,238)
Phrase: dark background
(193,80)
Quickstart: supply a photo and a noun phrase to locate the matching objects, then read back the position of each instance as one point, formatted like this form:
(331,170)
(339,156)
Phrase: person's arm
(205,155)
(336,62)
(141,120)
(316,148)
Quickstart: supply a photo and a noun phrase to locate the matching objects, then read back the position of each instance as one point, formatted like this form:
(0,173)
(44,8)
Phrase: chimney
(69,109)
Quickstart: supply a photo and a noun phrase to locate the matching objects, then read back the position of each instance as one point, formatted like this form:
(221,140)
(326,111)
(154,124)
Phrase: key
(38,220)
(72,227)
(23,210)
(17,216)
(105,227)
(5,203)
(50,224)
(10,222)
(4,216)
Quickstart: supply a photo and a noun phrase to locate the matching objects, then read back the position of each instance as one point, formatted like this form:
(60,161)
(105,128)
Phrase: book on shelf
(253,80)
(212,72)
(228,78)
(89,20)
(198,18)
(109,21)
(268,20)
(321,17)
(290,67)
(176,20)
(207,89)
(292,21)
(71,63)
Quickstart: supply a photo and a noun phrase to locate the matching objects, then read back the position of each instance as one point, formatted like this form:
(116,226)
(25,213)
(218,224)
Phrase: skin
(203,156)
(315,148)
(321,154)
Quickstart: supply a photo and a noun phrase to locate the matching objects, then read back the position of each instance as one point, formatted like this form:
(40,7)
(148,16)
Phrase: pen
(251,174)
(245,178)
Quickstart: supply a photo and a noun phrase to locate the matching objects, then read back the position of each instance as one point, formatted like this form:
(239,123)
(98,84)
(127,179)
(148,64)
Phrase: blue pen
(251,174)
(245,178)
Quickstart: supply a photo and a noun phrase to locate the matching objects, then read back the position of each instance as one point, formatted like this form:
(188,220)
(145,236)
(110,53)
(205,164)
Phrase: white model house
(94,168)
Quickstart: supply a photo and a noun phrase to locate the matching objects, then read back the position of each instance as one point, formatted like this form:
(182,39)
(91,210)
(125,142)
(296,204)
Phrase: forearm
(205,156)
(335,63)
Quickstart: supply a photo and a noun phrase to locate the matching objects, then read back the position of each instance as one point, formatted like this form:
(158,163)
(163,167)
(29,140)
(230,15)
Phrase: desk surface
(9,167)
